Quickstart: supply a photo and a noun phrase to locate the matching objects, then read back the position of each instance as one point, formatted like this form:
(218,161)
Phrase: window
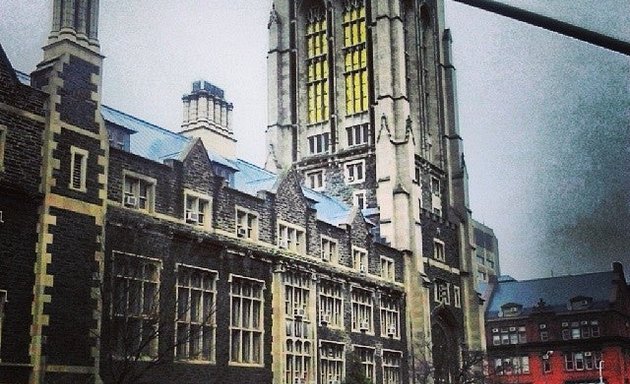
(317,66)
(246,320)
(331,362)
(138,192)
(357,134)
(366,357)
(594,328)
(546,364)
(390,316)
(436,196)
(482,275)
(580,329)
(355,172)
(315,180)
(298,348)
(246,224)
(197,210)
(355,57)
(480,259)
(78,168)
(442,291)
(438,250)
(329,250)
(388,272)
(544,335)
(511,335)
(331,304)
(3,143)
(318,144)
(296,294)
(580,361)
(391,367)
(360,259)
(291,238)
(512,365)
(457,296)
(490,262)
(358,199)
(361,310)
(435,186)
(196,306)
(3,300)
(135,304)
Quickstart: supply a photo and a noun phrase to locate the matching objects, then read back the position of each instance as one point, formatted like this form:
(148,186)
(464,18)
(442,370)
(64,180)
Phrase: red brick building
(560,329)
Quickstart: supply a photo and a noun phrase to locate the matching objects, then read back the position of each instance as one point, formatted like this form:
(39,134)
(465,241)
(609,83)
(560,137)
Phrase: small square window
(388,271)
(360,259)
(358,199)
(139,192)
(315,180)
(318,144)
(329,251)
(357,134)
(291,238)
(355,172)
(198,209)
(246,224)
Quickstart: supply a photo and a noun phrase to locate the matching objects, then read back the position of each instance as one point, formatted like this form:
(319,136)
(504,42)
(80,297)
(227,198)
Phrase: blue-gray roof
(556,292)
(156,143)
(147,140)
(251,179)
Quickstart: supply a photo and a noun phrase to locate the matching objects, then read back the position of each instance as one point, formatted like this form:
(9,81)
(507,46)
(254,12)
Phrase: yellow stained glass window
(317,67)
(355,57)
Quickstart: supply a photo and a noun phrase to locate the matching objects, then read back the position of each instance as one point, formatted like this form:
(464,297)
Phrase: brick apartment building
(559,329)
(131,253)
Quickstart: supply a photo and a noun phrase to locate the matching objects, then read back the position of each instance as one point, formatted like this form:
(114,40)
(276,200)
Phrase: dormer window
(580,302)
(511,309)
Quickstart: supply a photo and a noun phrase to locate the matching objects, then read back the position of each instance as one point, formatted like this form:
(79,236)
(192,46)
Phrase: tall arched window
(355,56)
(317,66)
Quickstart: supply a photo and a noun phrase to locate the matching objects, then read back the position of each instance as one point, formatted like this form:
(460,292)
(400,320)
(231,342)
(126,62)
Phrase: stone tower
(362,103)
(66,305)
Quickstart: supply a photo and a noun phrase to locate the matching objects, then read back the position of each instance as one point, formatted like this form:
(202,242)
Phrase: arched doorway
(446,348)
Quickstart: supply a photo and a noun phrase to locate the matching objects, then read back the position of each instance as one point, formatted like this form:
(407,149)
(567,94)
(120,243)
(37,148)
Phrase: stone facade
(135,254)
(371,82)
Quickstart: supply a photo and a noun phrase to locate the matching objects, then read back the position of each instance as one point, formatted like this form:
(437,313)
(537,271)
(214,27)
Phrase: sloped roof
(556,292)
(147,140)
(251,179)
(156,143)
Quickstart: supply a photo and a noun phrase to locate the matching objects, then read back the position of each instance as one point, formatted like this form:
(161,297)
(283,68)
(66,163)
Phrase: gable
(291,204)
(198,173)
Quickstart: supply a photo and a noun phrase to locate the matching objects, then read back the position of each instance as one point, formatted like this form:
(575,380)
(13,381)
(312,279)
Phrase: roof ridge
(256,166)
(554,277)
(152,125)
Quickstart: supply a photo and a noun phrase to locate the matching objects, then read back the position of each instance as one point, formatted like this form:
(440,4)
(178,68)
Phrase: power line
(551,24)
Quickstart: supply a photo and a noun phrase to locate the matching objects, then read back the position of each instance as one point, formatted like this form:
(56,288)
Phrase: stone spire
(208,115)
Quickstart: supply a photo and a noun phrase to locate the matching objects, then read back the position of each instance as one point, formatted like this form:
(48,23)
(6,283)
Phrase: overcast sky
(545,118)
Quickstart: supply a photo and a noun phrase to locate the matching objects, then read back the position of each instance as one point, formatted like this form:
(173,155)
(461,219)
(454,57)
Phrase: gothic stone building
(134,254)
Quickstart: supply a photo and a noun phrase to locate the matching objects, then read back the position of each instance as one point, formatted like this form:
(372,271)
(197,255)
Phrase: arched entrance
(446,347)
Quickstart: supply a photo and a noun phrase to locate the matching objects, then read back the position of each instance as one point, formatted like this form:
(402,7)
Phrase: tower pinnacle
(75,20)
